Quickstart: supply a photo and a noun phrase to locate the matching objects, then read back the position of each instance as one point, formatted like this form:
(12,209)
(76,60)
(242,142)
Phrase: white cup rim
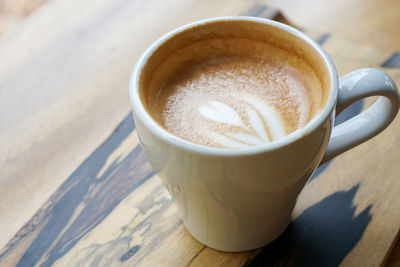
(157,130)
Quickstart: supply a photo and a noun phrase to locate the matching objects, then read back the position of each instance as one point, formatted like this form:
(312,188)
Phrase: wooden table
(76,188)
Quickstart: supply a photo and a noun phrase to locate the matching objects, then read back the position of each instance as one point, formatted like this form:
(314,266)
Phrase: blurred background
(374,21)
(13,11)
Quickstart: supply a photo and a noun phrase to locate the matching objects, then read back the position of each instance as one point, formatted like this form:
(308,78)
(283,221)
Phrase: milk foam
(238,101)
(260,115)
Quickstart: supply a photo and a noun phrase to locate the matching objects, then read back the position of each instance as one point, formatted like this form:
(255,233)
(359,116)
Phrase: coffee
(231,92)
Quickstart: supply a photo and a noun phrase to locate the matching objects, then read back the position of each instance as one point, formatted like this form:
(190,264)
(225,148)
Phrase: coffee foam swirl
(259,116)
(235,102)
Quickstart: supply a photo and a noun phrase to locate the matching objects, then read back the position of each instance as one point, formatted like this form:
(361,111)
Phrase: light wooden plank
(373,22)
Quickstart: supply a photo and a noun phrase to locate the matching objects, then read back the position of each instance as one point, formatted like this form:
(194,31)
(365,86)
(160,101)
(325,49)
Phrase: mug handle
(355,86)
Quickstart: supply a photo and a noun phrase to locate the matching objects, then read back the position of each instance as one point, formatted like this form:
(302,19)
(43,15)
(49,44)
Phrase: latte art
(233,93)
(235,102)
(259,116)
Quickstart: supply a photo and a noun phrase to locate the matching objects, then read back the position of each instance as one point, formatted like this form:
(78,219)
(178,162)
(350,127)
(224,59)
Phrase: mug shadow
(323,235)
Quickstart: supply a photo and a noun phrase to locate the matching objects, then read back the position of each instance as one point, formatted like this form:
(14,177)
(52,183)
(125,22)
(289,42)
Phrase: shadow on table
(85,199)
(324,233)
(321,236)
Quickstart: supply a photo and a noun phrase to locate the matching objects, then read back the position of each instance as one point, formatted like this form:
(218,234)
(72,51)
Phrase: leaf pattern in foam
(228,142)
(255,133)
(257,124)
(221,112)
(270,116)
(247,138)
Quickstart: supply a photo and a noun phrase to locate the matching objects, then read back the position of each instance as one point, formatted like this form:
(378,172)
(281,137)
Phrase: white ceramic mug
(234,200)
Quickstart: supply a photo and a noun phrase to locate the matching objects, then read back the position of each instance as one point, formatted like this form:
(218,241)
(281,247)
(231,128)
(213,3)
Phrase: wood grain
(14,11)
(112,203)
(393,258)
(111,209)
(64,89)
(373,22)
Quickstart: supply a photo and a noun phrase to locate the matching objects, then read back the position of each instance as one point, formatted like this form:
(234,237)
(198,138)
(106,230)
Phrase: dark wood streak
(27,229)
(195,256)
(321,236)
(392,62)
(118,249)
(323,38)
(263,11)
(99,195)
(130,253)
(255,11)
